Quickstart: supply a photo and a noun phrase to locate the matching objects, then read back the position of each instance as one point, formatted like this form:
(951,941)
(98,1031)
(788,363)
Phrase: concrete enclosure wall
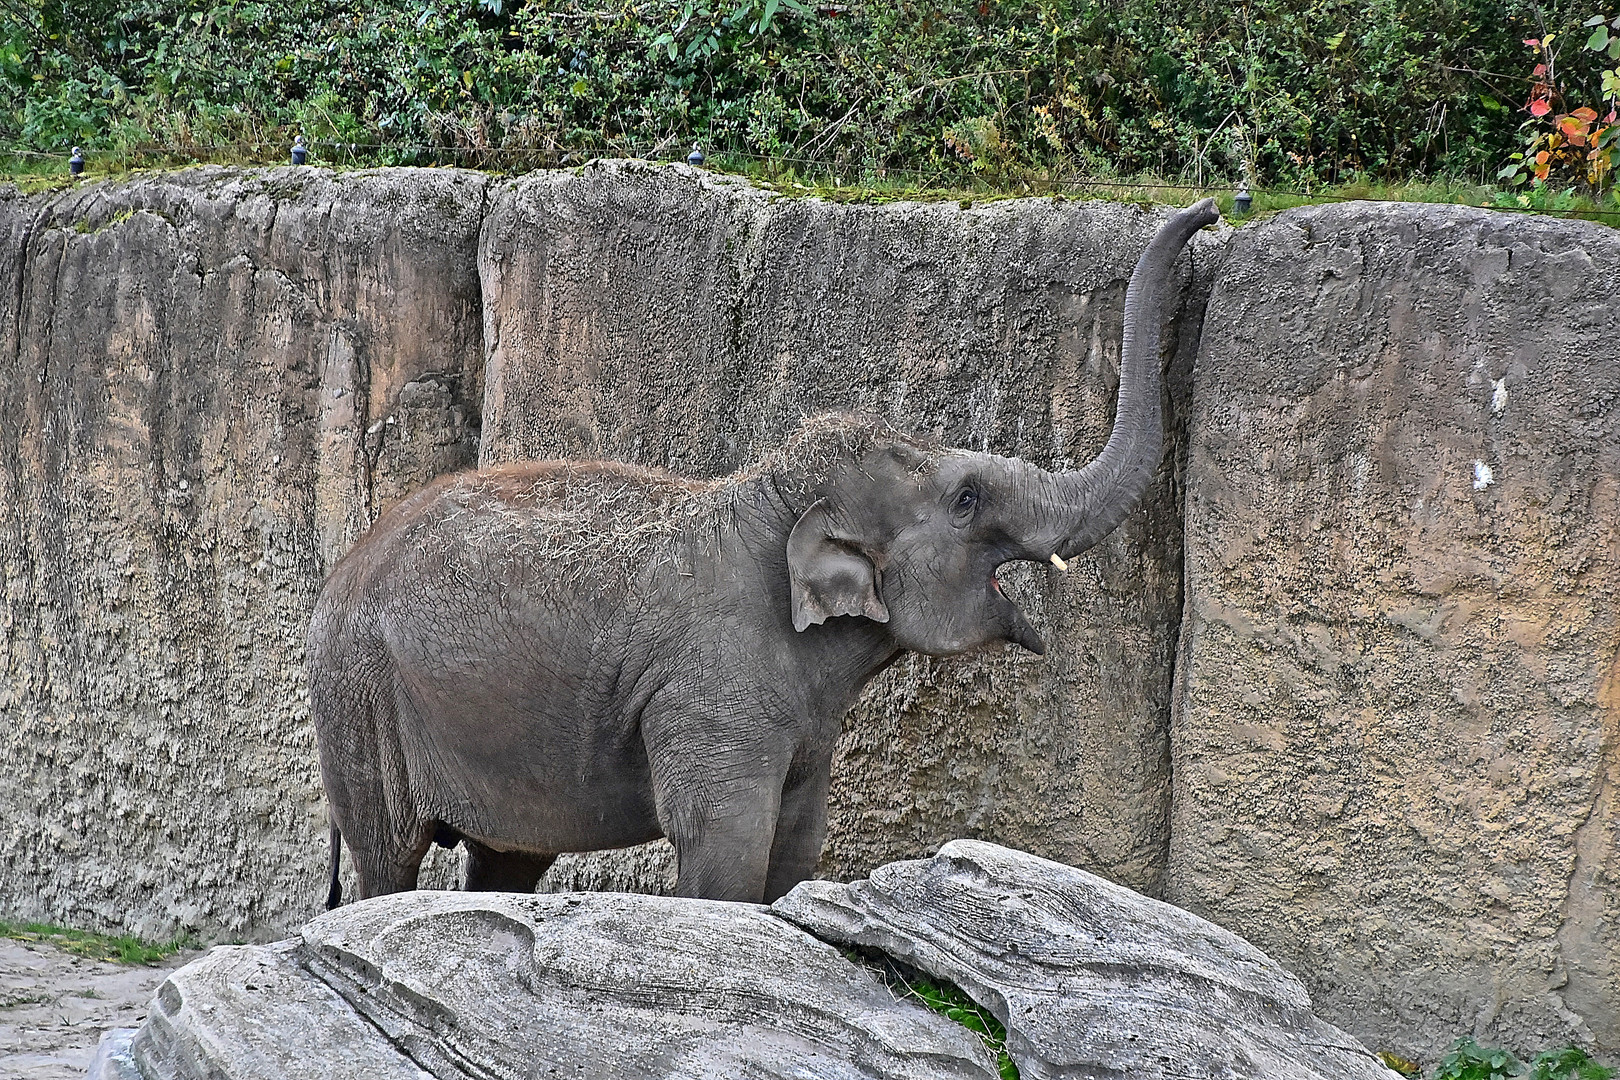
(1396,742)
(192,370)
(1369,720)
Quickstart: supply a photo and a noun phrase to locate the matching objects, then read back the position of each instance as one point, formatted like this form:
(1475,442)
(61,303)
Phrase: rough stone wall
(208,383)
(667,317)
(1397,732)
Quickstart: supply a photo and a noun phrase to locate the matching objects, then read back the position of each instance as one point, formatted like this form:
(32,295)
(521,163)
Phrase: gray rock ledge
(578,985)
(1092,981)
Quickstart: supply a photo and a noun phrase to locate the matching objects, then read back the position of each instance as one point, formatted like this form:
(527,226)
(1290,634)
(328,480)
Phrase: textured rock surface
(1092,981)
(671,318)
(1397,734)
(253,1011)
(505,986)
(197,379)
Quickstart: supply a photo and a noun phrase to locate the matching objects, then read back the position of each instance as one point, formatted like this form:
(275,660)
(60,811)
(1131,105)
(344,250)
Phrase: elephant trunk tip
(1204,212)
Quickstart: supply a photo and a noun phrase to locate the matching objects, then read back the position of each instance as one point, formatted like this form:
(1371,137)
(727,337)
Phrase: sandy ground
(54,1006)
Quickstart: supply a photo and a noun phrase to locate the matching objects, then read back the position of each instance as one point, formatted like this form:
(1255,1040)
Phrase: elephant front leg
(717,778)
(722,839)
(719,810)
(801,830)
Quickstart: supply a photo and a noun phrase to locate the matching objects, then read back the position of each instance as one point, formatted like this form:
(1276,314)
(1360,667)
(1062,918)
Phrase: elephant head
(911,535)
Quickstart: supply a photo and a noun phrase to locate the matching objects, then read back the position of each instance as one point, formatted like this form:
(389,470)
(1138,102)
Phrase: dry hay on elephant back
(560,521)
(825,441)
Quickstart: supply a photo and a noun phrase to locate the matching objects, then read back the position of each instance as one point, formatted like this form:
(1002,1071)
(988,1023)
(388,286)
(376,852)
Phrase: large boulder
(210,381)
(1093,982)
(589,986)
(1397,734)
(674,318)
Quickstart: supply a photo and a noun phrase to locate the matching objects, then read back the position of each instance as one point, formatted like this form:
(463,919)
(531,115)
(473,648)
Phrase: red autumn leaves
(1576,141)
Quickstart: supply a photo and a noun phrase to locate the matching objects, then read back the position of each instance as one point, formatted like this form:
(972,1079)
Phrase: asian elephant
(568,656)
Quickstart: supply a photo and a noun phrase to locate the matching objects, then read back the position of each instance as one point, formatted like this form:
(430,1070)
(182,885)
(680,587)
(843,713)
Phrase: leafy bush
(942,997)
(1290,91)
(1570,1063)
(950,1002)
(1568,142)
(1470,1061)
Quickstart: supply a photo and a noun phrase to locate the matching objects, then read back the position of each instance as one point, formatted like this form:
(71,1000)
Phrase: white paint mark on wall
(1498,395)
(1483,477)
(1360,471)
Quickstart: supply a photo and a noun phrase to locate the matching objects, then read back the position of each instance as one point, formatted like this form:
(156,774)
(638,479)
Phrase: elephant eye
(967,501)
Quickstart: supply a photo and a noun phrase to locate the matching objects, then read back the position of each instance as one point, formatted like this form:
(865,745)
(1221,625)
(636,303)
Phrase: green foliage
(950,1002)
(1470,1061)
(122,950)
(1570,1063)
(703,30)
(1541,196)
(1298,92)
(944,998)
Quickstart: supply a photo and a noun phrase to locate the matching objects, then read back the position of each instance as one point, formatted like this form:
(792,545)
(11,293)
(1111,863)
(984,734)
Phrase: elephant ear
(829,577)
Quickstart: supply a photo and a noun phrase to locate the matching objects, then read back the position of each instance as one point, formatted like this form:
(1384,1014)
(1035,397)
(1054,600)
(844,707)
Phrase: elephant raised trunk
(1083,506)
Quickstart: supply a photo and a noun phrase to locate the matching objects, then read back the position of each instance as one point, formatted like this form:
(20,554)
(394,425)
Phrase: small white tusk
(1059,563)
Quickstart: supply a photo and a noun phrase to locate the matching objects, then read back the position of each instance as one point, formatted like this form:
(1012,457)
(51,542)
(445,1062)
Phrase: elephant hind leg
(489,870)
(356,707)
(391,862)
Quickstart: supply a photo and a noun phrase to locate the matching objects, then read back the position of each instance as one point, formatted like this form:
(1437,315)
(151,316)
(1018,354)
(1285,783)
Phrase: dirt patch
(54,1006)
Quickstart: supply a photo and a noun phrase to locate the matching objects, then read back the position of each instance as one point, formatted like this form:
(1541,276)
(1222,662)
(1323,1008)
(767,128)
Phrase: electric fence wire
(564,156)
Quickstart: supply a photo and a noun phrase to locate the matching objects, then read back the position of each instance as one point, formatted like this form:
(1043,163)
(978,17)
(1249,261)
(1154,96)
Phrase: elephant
(562,656)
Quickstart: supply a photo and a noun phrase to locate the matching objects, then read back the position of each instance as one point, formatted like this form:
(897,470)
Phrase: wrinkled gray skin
(557,656)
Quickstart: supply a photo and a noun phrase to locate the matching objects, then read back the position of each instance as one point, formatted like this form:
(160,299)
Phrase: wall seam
(1182,496)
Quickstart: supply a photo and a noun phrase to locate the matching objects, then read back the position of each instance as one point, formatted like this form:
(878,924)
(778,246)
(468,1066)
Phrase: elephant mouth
(1015,627)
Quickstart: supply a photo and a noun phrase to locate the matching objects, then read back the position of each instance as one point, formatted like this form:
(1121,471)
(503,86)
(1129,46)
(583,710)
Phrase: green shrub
(1470,1061)
(1570,1063)
(1294,91)
(950,1002)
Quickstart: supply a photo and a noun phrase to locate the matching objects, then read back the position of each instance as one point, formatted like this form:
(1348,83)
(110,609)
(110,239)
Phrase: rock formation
(1092,980)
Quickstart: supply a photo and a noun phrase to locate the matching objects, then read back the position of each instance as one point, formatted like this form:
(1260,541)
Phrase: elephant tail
(334,894)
